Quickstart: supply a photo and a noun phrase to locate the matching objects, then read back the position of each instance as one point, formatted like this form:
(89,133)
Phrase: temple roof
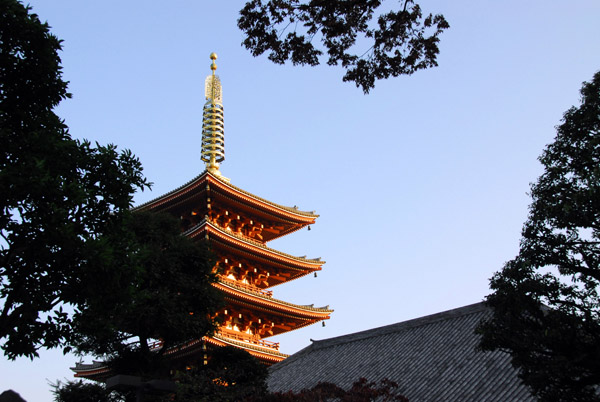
(433,358)
(268,301)
(250,347)
(258,246)
(228,186)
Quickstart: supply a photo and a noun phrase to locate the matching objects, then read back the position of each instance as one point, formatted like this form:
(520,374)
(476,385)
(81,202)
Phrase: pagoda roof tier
(243,243)
(298,322)
(97,370)
(100,371)
(255,299)
(266,354)
(230,194)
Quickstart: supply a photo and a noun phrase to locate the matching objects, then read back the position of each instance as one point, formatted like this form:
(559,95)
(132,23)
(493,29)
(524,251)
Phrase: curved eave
(297,272)
(229,188)
(91,371)
(173,194)
(301,321)
(233,191)
(257,351)
(255,298)
(252,246)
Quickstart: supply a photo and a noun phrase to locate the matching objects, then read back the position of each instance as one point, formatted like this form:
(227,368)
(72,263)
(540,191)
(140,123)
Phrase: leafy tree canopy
(57,194)
(79,391)
(148,289)
(231,374)
(546,309)
(398,42)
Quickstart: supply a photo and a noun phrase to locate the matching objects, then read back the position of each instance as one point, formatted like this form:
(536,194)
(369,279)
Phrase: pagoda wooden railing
(237,336)
(245,286)
(246,338)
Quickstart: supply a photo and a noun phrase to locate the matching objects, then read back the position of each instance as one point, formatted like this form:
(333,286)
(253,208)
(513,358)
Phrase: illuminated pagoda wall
(238,225)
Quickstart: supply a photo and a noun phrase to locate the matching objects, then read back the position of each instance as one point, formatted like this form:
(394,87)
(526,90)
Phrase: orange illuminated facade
(238,225)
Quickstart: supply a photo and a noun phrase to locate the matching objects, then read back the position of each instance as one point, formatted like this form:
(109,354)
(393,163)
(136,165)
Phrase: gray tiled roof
(433,358)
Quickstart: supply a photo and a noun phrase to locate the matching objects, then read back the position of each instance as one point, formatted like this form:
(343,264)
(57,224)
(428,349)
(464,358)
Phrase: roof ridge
(253,242)
(306,307)
(144,204)
(293,210)
(403,325)
(386,329)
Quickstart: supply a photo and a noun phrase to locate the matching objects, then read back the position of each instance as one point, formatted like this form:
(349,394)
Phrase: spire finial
(213,65)
(213,130)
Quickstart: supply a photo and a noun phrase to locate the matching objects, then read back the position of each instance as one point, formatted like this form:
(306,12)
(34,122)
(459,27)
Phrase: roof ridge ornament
(213,128)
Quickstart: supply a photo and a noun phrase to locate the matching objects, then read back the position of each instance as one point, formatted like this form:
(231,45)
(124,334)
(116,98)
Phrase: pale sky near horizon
(421,185)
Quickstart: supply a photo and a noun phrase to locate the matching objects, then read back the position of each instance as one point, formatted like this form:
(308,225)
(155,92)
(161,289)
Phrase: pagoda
(237,225)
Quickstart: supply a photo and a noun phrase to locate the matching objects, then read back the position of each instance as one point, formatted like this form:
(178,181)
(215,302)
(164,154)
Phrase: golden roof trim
(256,348)
(296,211)
(198,179)
(250,242)
(277,301)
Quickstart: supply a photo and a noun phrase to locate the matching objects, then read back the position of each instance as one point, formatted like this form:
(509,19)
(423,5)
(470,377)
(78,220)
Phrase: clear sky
(421,185)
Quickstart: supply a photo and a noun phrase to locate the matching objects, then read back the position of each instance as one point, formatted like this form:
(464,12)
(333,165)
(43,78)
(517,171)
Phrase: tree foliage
(79,391)
(231,374)
(398,42)
(57,194)
(153,285)
(546,309)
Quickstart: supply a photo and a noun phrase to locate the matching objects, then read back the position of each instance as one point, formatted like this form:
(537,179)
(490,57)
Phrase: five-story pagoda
(238,225)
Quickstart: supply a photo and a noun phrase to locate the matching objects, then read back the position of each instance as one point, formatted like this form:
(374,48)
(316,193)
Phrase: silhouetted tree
(399,42)
(546,309)
(79,391)
(10,396)
(57,195)
(231,374)
(151,292)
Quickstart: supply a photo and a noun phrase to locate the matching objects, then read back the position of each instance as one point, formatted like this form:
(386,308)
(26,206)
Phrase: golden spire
(213,129)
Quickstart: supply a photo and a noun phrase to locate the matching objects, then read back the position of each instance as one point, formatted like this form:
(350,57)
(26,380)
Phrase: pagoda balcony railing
(245,286)
(230,334)
(247,338)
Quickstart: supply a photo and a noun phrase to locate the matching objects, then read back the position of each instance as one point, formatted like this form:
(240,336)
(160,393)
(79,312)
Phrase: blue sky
(421,185)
